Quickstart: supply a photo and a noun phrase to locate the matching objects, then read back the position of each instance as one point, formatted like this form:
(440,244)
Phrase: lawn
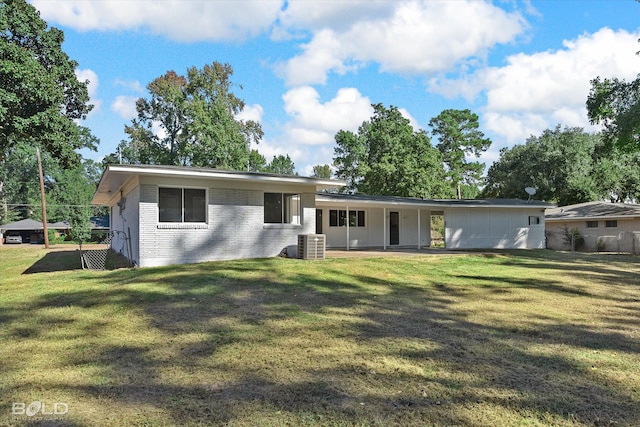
(524,338)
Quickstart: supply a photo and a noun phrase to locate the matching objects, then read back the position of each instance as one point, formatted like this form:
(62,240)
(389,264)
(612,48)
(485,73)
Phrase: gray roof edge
(362,198)
(213,172)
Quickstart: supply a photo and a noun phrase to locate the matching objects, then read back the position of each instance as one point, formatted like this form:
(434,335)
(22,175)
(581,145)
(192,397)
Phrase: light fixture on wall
(122,204)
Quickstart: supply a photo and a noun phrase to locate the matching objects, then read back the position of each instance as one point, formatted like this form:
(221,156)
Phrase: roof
(100,222)
(593,210)
(115,176)
(23,224)
(97,222)
(361,199)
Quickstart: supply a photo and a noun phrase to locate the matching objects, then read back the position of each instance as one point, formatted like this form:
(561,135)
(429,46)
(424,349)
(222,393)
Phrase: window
(592,224)
(282,208)
(356,218)
(534,220)
(182,205)
(338,218)
(611,224)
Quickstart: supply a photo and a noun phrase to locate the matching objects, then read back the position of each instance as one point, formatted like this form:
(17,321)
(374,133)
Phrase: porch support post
(418,228)
(384,228)
(347,220)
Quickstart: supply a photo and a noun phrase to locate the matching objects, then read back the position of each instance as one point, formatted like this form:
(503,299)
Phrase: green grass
(530,338)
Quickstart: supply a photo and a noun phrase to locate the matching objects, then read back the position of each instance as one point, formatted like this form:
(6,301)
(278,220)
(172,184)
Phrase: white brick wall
(235,229)
(125,221)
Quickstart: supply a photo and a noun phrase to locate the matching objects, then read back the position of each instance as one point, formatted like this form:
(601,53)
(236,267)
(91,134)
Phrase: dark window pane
(342,218)
(360,218)
(353,218)
(611,224)
(170,204)
(592,224)
(333,218)
(195,205)
(273,208)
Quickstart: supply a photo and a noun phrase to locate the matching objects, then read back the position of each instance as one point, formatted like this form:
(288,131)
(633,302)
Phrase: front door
(394,228)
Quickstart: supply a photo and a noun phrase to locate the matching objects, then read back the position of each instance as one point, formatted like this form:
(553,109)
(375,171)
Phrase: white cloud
(132,85)
(177,20)
(316,123)
(408,39)
(538,91)
(412,121)
(251,112)
(125,106)
(92,87)
(338,15)
(309,136)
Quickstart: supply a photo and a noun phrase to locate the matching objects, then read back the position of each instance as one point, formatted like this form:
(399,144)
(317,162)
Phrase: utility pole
(44,202)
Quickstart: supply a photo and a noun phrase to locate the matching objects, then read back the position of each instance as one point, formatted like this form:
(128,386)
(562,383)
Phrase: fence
(99,259)
(623,242)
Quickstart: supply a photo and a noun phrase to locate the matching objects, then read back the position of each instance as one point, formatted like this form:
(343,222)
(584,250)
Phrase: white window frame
(342,220)
(291,209)
(182,203)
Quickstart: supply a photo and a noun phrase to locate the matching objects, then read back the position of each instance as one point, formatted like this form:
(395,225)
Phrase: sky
(309,68)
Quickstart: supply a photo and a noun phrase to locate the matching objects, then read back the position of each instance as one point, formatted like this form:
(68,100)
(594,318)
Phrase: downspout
(384,228)
(347,221)
(419,229)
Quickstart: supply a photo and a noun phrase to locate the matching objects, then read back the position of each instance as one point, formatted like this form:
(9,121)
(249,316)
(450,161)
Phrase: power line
(49,204)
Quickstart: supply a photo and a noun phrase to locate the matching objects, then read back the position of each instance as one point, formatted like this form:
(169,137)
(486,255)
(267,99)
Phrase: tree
(559,164)
(40,97)
(321,171)
(257,162)
(68,190)
(197,116)
(282,165)
(459,136)
(617,175)
(387,157)
(615,104)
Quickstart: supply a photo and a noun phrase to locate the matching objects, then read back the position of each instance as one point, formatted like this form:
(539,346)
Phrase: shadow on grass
(449,366)
(70,260)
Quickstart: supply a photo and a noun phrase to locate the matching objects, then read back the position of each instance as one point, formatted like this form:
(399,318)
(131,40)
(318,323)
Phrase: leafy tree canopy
(615,104)
(459,136)
(197,115)
(387,157)
(566,166)
(40,96)
(68,190)
(321,171)
(281,164)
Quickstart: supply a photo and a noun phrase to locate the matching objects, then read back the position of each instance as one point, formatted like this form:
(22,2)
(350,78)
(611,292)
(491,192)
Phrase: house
(357,221)
(173,215)
(177,215)
(32,231)
(602,226)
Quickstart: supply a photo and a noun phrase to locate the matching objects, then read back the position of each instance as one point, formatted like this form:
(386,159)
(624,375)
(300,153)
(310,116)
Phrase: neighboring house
(177,215)
(603,226)
(32,231)
(99,227)
(356,221)
(174,215)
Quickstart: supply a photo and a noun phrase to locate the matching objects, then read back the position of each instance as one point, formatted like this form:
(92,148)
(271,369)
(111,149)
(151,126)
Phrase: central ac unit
(311,246)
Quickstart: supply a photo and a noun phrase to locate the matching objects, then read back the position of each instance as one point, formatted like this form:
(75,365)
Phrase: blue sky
(310,68)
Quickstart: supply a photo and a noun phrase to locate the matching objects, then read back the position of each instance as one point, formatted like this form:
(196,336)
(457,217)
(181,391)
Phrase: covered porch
(366,222)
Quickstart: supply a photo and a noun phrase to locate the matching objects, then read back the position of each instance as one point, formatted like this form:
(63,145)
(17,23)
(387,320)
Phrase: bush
(573,238)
